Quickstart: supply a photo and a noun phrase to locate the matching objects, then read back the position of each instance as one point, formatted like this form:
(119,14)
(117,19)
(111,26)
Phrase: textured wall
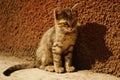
(23,22)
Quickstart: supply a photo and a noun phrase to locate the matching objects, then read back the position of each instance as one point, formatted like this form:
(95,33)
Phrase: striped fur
(56,44)
(17,67)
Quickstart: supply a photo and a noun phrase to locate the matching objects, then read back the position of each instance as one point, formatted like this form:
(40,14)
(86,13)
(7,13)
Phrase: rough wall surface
(23,22)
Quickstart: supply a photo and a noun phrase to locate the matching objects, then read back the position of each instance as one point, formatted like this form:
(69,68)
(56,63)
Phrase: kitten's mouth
(70,30)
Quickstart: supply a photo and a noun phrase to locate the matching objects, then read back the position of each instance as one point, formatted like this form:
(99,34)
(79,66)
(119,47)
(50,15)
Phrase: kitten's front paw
(70,69)
(59,69)
(50,68)
(42,67)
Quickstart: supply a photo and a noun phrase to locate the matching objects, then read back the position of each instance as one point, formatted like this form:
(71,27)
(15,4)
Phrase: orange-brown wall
(23,22)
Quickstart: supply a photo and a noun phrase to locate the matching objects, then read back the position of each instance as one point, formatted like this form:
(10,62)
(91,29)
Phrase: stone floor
(36,74)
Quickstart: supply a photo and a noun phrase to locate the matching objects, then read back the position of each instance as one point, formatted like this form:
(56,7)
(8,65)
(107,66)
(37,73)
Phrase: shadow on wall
(90,46)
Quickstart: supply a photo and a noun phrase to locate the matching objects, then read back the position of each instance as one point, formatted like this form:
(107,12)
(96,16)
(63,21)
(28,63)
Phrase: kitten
(54,52)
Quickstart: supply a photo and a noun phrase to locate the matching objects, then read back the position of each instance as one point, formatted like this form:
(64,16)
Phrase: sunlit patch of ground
(36,74)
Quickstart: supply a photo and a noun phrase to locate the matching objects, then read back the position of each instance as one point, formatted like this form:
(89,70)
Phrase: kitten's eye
(66,24)
(74,23)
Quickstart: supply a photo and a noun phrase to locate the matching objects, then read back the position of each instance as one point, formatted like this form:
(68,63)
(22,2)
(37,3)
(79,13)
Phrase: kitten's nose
(70,29)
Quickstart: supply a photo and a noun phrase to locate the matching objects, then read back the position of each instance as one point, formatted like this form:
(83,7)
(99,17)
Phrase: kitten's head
(66,19)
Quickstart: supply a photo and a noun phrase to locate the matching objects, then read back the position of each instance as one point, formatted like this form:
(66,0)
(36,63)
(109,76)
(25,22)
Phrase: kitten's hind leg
(50,68)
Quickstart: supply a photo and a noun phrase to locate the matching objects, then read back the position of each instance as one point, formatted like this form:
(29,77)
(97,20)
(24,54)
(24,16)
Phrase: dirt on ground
(37,74)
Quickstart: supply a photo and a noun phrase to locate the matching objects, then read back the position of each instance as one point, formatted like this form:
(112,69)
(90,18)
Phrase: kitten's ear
(57,12)
(75,7)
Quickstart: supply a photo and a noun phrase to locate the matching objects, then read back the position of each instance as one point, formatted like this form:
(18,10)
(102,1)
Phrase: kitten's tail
(14,68)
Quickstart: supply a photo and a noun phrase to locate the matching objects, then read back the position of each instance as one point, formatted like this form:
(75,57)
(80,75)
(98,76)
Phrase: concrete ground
(36,74)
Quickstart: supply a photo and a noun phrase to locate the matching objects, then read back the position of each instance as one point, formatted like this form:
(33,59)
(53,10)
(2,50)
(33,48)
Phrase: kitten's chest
(65,40)
(69,39)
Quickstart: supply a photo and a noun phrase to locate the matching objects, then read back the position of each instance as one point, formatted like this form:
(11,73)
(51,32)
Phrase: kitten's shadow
(90,46)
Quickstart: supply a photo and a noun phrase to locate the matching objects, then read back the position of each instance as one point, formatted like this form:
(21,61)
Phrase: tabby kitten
(54,52)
